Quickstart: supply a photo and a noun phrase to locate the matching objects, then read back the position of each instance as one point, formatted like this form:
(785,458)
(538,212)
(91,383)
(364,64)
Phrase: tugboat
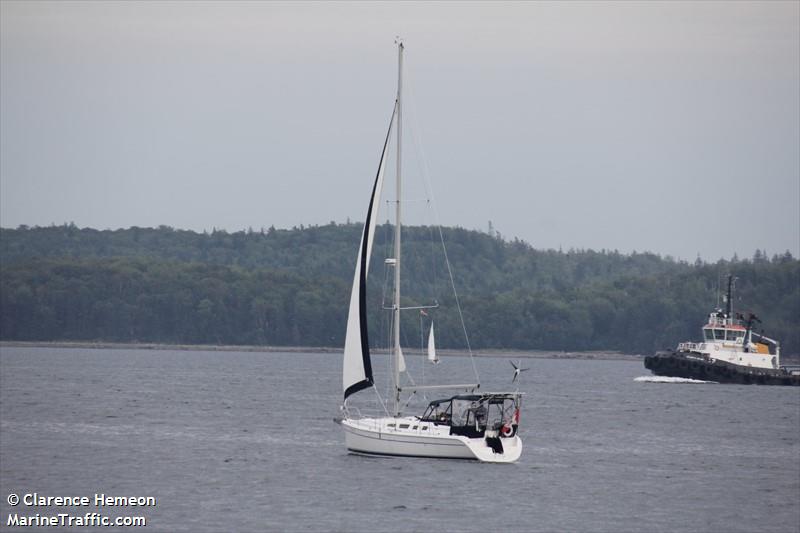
(731,353)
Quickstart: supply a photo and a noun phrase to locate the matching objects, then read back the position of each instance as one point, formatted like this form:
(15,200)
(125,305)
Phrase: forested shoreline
(291,288)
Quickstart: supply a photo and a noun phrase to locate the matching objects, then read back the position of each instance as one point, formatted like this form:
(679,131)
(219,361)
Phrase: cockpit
(472,415)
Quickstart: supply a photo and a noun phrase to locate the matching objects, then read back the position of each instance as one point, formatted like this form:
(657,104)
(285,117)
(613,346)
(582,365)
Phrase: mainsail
(357,368)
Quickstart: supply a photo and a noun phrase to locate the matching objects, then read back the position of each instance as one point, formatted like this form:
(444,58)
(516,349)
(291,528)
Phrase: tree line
(292,287)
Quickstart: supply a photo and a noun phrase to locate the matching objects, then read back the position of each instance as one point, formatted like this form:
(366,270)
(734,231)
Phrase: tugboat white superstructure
(731,352)
(481,426)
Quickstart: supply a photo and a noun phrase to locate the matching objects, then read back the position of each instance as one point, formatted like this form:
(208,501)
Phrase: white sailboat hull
(373,436)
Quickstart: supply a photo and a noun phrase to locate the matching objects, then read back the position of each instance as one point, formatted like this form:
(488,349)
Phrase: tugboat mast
(729,299)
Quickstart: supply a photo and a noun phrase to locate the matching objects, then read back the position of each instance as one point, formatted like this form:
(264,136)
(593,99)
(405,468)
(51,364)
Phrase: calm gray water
(230,441)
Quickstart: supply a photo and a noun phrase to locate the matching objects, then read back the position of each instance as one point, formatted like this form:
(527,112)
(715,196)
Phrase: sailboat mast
(396,361)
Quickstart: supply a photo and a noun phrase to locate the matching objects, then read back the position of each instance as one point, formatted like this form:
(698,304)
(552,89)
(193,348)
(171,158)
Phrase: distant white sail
(357,366)
(402,361)
(432,357)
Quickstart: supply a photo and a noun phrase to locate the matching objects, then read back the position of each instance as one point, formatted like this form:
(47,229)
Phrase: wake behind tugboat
(668,379)
(731,353)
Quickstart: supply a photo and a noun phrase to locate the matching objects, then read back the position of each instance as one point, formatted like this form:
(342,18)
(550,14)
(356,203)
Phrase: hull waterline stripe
(378,454)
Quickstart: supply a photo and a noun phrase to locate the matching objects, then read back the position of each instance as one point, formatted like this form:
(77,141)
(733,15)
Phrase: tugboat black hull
(694,366)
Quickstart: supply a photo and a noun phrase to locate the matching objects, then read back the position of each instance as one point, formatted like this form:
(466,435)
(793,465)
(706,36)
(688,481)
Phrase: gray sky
(670,127)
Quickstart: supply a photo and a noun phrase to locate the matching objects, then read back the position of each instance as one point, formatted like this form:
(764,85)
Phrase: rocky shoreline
(521,354)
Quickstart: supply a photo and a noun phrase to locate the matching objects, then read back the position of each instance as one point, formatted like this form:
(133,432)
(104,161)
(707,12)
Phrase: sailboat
(474,425)
(433,357)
